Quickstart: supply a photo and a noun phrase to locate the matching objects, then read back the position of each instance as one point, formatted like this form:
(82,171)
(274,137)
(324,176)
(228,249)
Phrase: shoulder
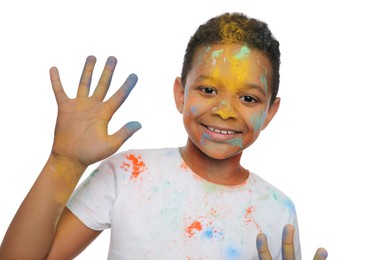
(139,156)
(131,163)
(149,154)
(267,191)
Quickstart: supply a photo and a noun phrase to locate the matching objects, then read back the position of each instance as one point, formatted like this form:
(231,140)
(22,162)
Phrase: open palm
(81,133)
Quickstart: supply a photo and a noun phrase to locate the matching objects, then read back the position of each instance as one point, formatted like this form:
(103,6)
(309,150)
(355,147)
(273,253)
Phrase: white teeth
(225,132)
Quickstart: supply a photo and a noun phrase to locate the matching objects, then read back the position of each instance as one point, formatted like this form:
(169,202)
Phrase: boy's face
(225,102)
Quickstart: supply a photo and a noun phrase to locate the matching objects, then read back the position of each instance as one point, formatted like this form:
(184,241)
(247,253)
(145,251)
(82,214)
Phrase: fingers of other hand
(262,247)
(105,79)
(57,86)
(122,93)
(287,242)
(321,254)
(85,80)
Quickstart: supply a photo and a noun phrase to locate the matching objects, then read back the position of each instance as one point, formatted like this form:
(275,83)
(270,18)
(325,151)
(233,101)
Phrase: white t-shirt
(157,208)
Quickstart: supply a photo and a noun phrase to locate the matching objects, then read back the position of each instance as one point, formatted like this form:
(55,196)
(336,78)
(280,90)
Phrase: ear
(179,94)
(273,109)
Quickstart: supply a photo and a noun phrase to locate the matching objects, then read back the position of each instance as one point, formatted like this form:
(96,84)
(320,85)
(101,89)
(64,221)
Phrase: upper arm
(71,238)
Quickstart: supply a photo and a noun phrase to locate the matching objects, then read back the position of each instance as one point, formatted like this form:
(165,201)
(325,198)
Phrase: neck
(227,171)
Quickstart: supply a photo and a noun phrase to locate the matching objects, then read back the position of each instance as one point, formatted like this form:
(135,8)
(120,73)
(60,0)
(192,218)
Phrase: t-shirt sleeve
(93,199)
(294,221)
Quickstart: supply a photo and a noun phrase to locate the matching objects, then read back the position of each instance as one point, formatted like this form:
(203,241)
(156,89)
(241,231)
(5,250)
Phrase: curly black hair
(236,28)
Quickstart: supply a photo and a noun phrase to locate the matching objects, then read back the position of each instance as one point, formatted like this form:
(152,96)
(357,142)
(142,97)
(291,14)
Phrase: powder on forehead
(243,52)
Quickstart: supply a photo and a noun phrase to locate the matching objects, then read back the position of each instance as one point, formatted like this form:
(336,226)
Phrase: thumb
(118,139)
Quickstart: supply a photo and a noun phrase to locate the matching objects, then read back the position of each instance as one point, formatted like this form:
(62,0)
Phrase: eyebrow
(257,87)
(247,86)
(204,77)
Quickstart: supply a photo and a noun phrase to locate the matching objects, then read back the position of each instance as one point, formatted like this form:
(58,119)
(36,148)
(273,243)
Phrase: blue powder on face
(193,110)
(258,120)
(235,141)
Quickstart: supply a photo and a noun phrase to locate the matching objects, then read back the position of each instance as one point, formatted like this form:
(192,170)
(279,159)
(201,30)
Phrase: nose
(225,109)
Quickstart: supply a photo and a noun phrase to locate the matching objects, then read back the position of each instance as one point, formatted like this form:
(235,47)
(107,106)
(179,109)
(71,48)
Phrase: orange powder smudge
(250,209)
(138,166)
(184,166)
(196,225)
(248,217)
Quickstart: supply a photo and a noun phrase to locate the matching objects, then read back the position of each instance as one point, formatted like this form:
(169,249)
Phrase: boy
(193,202)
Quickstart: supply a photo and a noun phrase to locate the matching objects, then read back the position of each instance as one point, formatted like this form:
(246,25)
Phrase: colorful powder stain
(242,53)
(289,204)
(195,226)
(264,82)
(216,54)
(184,166)
(258,120)
(236,142)
(250,209)
(231,252)
(248,217)
(137,164)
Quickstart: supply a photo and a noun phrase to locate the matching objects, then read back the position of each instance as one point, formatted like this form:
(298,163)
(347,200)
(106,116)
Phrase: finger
(287,242)
(118,139)
(262,247)
(105,79)
(122,93)
(321,254)
(86,76)
(57,86)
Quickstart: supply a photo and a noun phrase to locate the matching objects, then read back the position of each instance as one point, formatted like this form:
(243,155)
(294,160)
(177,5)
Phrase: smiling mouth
(220,131)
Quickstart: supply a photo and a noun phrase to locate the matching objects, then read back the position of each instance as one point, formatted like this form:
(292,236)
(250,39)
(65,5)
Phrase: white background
(313,150)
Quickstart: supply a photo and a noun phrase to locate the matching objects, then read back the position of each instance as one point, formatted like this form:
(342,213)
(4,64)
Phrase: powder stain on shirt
(193,227)
(231,252)
(137,164)
(248,218)
(184,166)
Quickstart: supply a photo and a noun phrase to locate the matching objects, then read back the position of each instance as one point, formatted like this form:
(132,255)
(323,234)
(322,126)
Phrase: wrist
(65,165)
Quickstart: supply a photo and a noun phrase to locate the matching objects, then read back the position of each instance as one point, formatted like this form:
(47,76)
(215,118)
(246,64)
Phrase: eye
(208,90)
(249,99)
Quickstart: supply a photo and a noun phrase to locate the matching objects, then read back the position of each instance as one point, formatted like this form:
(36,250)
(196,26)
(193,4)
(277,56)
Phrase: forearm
(31,233)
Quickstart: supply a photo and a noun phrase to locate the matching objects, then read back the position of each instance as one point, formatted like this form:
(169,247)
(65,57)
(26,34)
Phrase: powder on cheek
(257,120)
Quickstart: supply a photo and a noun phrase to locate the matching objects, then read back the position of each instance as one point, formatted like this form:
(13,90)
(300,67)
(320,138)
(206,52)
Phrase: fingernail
(111,61)
(133,126)
(133,78)
(90,59)
(324,255)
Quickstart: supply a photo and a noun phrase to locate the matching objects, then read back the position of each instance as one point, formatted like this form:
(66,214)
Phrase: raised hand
(81,138)
(81,134)
(288,252)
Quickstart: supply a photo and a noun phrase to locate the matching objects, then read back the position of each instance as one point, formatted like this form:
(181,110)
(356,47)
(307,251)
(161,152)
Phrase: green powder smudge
(242,53)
